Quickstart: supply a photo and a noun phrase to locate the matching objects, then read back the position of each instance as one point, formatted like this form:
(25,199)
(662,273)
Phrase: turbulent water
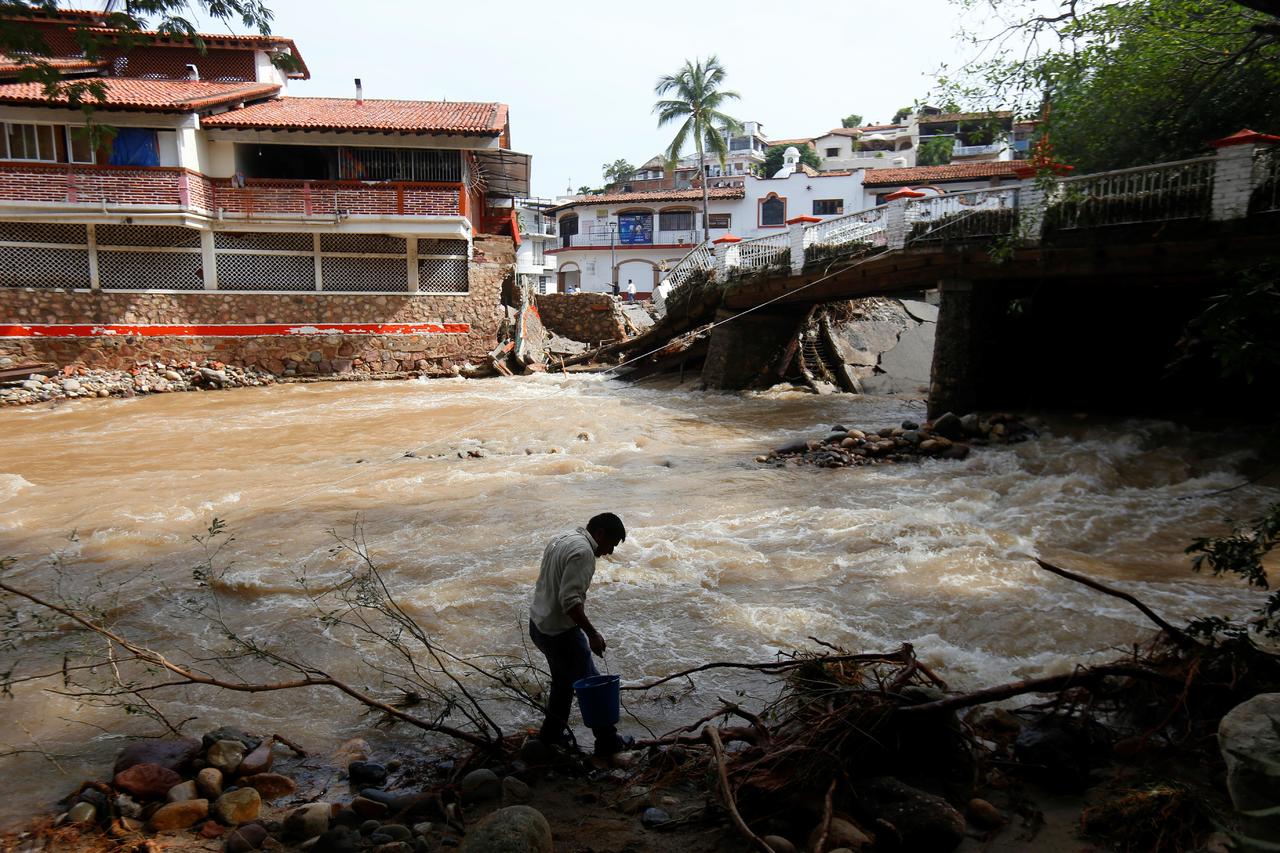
(725,559)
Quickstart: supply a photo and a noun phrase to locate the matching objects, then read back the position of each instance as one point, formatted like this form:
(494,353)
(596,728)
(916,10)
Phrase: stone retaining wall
(282,355)
(586,317)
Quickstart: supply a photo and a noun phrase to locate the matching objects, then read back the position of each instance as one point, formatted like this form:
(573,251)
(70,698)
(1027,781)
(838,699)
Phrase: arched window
(773,211)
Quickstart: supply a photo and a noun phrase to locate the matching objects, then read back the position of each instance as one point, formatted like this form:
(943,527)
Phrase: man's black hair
(609,524)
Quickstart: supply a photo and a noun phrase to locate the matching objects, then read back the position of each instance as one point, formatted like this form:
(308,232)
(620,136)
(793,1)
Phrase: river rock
(366,774)
(308,821)
(480,785)
(925,823)
(654,816)
(238,806)
(179,815)
(230,733)
(515,829)
(841,833)
(778,844)
(182,792)
(209,782)
(173,376)
(271,786)
(146,781)
(948,426)
(1060,752)
(985,815)
(259,760)
(396,831)
(127,806)
(226,755)
(971,424)
(355,749)
(173,754)
(82,813)
(337,840)
(369,809)
(515,791)
(242,839)
(1249,738)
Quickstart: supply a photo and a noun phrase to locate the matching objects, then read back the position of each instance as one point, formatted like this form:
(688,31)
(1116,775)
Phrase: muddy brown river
(725,559)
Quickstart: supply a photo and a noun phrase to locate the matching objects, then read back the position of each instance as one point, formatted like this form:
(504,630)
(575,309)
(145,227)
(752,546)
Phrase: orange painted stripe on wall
(227,330)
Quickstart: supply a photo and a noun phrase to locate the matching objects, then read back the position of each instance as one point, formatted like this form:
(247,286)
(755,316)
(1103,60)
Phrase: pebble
(654,817)
(143,378)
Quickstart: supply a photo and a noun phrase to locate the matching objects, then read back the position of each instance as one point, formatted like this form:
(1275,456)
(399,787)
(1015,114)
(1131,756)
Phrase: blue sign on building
(635,228)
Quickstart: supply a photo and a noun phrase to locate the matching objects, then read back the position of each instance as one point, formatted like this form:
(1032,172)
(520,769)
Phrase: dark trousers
(569,659)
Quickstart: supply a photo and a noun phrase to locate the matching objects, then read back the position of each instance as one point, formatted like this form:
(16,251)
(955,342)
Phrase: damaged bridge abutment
(751,350)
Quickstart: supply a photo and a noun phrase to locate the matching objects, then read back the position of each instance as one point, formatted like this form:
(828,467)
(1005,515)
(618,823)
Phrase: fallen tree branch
(1049,684)
(191,677)
(902,655)
(712,735)
(1175,634)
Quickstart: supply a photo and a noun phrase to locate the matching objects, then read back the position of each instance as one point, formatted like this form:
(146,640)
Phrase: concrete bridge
(1085,249)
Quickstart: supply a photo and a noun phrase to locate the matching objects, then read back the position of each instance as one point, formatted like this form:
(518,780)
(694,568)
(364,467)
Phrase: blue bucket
(598,699)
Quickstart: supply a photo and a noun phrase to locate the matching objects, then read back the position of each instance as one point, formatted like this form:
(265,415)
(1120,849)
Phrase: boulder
(258,760)
(236,807)
(515,791)
(179,815)
(480,785)
(209,781)
(242,839)
(924,822)
(841,833)
(172,754)
(226,755)
(308,821)
(271,786)
(146,781)
(1249,738)
(515,829)
(948,426)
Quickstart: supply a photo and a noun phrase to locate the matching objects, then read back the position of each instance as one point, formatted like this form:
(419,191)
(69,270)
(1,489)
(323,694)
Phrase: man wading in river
(559,627)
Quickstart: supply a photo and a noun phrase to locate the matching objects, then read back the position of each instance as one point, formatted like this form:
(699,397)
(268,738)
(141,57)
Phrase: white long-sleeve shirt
(568,564)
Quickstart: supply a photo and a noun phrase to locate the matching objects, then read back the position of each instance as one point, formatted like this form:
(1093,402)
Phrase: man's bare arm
(579,615)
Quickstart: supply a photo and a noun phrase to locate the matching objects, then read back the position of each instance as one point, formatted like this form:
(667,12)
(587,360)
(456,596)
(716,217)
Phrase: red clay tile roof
(938,174)
(166,96)
(375,116)
(858,131)
(153,38)
(797,141)
(657,195)
(14,64)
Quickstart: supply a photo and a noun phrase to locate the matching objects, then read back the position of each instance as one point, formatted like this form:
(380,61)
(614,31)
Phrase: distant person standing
(616,291)
(631,291)
(559,627)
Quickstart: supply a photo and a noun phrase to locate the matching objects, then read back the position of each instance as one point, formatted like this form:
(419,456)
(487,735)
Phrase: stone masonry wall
(313,355)
(586,317)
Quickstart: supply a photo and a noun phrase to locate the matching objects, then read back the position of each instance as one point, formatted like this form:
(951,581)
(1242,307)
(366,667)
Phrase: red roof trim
(939,174)
(1243,137)
(125,93)
(465,118)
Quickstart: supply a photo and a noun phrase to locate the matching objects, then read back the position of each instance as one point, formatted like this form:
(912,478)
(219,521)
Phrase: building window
(676,220)
(719,220)
(31,142)
(568,227)
(773,211)
(78,148)
(828,206)
(833,152)
(740,143)
(539,253)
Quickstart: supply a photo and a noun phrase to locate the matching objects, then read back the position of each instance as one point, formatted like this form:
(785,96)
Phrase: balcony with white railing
(959,150)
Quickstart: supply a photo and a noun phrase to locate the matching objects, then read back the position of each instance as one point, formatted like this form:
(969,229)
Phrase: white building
(534,264)
(636,237)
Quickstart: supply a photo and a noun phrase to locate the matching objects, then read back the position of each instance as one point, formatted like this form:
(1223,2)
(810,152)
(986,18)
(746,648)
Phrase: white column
(721,252)
(95,282)
(208,260)
(796,232)
(1031,202)
(315,251)
(895,223)
(1232,181)
(412,243)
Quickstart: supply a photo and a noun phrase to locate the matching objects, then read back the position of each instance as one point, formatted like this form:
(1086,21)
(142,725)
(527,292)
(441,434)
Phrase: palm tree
(696,97)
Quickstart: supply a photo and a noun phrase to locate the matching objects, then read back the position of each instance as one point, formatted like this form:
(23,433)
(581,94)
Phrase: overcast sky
(579,76)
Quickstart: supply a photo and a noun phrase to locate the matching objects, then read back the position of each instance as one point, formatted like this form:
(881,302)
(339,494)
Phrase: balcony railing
(133,187)
(959,150)
(660,238)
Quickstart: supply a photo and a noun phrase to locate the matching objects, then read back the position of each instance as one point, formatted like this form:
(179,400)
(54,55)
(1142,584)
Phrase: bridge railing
(850,228)
(1179,190)
(963,215)
(1265,197)
(771,250)
(700,259)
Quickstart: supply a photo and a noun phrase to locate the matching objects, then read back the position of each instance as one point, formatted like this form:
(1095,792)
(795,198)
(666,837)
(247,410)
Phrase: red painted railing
(131,186)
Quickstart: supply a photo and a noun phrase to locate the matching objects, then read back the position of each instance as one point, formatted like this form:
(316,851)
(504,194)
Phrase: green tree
(935,151)
(851,120)
(697,101)
(618,172)
(773,158)
(125,28)
(901,115)
(1135,81)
